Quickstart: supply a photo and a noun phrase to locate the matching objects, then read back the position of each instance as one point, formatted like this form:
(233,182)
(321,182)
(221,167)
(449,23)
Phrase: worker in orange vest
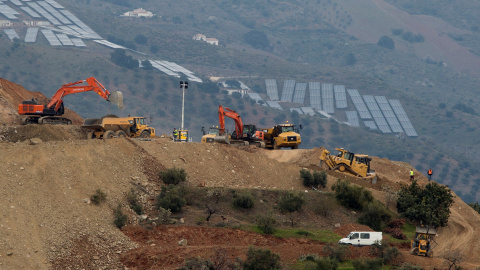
(430,172)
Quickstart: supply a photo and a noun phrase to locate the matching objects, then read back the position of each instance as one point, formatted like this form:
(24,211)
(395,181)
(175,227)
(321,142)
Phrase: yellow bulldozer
(348,162)
(424,242)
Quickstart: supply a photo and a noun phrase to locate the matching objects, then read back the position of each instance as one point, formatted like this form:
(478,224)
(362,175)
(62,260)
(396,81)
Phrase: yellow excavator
(424,242)
(348,162)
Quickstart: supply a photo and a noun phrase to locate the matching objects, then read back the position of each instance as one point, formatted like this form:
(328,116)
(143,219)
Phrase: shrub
(352,196)
(291,202)
(409,266)
(266,224)
(366,264)
(120,218)
(327,264)
(396,223)
(475,206)
(396,233)
(134,203)
(98,197)
(164,216)
(171,198)
(309,257)
(244,200)
(376,216)
(429,205)
(261,259)
(384,252)
(336,252)
(173,176)
(197,263)
(306,177)
(320,178)
(386,42)
(324,205)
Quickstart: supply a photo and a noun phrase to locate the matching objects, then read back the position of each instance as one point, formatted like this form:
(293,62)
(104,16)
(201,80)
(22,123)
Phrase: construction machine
(424,241)
(36,113)
(282,135)
(112,126)
(243,134)
(348,162)
(212,133)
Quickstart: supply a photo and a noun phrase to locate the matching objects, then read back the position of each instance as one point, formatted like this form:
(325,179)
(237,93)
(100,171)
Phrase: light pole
(183,85)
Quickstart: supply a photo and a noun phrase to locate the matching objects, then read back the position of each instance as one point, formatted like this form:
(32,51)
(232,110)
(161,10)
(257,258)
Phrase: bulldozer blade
(117,99)
(222,139)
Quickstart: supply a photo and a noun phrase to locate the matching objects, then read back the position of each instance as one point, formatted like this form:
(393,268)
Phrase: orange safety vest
(430,172)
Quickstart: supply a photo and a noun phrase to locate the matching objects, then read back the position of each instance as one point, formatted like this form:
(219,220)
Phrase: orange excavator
(36,113)
(243,134)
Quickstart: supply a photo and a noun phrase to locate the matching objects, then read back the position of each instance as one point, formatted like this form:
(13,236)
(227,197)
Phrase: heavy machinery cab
(424,242)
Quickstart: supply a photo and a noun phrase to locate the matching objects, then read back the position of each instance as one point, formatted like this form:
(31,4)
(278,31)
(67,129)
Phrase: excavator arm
(231,114)
(74,88)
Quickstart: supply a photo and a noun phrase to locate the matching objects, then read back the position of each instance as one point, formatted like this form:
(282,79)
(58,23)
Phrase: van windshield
(353,236)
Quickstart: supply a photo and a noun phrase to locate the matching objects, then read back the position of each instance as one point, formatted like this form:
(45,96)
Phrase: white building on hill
(139,12)
(212,41)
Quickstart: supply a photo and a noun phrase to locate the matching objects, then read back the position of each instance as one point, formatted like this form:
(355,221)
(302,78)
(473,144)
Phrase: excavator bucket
(117,99)
(222,139)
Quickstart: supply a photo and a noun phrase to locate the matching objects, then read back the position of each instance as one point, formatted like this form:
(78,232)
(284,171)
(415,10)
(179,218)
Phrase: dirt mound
(46,188)
(43,132)
(11,95)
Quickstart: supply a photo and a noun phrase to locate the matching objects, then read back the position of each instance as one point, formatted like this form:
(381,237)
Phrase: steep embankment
(11,95)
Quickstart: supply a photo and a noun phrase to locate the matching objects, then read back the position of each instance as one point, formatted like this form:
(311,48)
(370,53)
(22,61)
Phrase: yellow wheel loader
(424,242)
(348,162)
(210,137)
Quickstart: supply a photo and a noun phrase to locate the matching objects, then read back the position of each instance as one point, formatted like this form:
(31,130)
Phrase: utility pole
(183,85)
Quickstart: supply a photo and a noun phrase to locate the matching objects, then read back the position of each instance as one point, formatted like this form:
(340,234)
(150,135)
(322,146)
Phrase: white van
(362,239)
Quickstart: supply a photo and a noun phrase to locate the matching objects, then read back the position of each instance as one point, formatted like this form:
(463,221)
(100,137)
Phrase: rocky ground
(50,172)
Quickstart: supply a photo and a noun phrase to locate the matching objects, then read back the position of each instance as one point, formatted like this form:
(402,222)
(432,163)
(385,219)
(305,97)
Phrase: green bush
(320,178)
(197,263)
(171,198)
(327,264)
(376,216)
(244,200)
(291,202)
(164,216)
(306,177)
(134,203)
(352,196)
(261,259)
(384,251)
(324,204)
(173,176)
(475,206)
(266,224)
(429,205)
(367,264)
(313,180)
(409,266)
(98,197)
(120,218)
(336,252)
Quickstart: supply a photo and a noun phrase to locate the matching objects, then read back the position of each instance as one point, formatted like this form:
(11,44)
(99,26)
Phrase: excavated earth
(48,221)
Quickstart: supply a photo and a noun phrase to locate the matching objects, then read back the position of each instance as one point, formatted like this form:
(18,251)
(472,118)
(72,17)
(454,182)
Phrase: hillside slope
(47,220)
(12,94)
